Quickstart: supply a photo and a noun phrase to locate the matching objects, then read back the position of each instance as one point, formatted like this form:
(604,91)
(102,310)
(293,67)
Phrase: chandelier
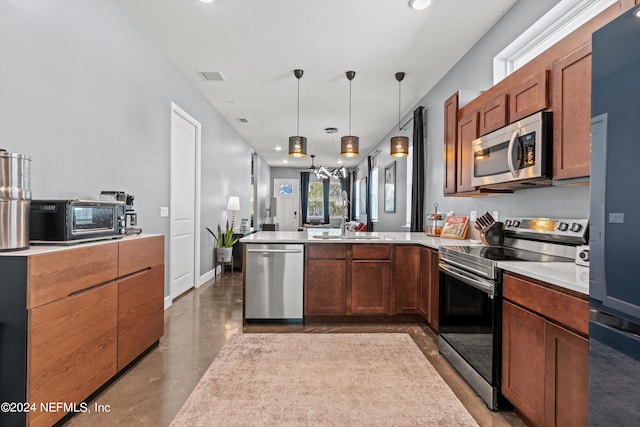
(323,173)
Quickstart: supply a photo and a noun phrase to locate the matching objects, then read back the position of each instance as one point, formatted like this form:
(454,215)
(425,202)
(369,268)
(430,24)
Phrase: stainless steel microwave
(74,221)
(515,156)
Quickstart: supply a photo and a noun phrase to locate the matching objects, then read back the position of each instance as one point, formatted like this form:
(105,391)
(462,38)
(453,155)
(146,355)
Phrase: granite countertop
(563,274)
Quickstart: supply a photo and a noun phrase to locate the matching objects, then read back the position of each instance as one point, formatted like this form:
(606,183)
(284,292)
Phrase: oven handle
(478,283)
(449,261)
(515,172)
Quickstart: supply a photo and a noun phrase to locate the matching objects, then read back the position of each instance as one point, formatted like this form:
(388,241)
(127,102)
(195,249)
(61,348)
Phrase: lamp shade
(234,203)
(297,146)
(349,146)
(399,146)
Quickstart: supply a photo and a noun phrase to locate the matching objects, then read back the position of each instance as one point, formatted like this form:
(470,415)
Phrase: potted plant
(224,241)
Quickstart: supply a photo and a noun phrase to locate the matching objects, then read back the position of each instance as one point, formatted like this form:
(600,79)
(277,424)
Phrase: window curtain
(354,182)
(417,188)
(368,203)
(325,199)
(304,196)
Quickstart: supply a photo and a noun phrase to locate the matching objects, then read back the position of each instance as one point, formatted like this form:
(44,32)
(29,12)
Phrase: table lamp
(233,205)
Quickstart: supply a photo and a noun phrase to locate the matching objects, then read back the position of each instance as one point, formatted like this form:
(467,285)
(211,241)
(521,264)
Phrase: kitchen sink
(347,237)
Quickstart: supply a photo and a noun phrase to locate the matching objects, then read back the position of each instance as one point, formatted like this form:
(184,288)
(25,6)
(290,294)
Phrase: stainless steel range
(471,295)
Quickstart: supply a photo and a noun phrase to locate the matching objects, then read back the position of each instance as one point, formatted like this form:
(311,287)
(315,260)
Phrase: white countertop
(38,249)
(563,274)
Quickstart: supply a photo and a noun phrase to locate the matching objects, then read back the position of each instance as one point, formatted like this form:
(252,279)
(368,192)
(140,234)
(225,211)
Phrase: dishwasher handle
(275,251)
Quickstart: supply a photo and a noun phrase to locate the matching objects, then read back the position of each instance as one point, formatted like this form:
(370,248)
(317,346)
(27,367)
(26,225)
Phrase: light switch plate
(496,216)
(473,216)
(164,211)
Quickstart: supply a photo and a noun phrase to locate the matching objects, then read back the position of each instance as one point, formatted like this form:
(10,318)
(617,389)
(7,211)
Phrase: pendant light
(399,144)
(349,144)
(298,144)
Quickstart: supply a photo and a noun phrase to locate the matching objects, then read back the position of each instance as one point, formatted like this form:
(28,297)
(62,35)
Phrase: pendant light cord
(349,107)
(298,119)
(399,103)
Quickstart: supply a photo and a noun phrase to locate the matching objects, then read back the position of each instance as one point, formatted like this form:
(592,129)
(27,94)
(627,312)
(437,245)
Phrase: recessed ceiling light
(278,148)
(207,1)
(212,76)
(637,13)
(285,161)
(419,4)
(339,162)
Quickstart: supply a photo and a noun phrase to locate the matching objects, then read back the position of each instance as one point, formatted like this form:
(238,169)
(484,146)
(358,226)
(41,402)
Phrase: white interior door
(287,194)
(184,212)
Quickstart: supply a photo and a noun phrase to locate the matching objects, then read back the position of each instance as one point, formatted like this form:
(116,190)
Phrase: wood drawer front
(71,349)
(565,309)
(139,253)
(493,114)
(330,251)
(140,313)
(529,97)
(363,251)
(56,275)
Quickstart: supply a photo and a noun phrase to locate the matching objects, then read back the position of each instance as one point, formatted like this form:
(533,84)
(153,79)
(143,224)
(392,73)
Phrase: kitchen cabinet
(467,132)
(494,114)
(406,279)
(325,279)
(529,97)
(429,287)
(450,143)
(545,352)
(72,349)
(571,83)
(73,316)
(370,279)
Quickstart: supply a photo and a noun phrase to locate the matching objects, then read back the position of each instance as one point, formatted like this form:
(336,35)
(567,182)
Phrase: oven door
(469,319)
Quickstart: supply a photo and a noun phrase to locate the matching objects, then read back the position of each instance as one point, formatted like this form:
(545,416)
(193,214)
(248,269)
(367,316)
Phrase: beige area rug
(322,379)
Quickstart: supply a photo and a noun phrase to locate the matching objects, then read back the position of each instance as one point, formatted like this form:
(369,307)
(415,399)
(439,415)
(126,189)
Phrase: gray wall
(475,72)
(87,95)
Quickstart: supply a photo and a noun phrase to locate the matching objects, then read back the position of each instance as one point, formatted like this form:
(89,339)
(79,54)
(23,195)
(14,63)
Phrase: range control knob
(507,223)
(516,223)
(584,255)
(575,227)
(563,226)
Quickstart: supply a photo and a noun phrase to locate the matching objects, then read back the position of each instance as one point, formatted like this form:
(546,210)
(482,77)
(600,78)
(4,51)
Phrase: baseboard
(167,302)
(205,278)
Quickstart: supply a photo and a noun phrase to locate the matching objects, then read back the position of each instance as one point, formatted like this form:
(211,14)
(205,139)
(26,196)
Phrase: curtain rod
(410,120)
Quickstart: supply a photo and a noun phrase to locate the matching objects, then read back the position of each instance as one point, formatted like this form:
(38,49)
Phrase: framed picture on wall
(390,187)
(363,196)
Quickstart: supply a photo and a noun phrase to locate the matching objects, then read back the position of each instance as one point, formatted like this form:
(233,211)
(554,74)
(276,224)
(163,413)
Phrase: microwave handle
(515,172)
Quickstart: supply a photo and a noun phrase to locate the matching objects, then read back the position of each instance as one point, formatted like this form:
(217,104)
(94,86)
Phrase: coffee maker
(130,215)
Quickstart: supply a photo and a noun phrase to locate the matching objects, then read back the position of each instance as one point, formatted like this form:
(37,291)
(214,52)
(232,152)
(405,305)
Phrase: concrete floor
(197,325)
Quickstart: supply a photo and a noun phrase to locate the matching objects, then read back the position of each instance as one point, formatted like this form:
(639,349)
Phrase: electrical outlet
(496,216)
(473,215)
(164,211)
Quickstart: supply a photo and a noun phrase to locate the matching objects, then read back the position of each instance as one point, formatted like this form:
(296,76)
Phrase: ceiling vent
(243,120)
(212,76)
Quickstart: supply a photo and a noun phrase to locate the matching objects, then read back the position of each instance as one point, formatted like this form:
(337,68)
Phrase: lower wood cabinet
(406,279)
(370,286)
(140,313)
(325,286)
(544,362)
(72,349)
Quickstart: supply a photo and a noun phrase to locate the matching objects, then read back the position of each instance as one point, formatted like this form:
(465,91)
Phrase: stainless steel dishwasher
(274,281)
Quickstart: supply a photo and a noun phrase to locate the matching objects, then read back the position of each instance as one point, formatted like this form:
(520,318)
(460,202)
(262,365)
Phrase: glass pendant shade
(399,146)
(349,146)
(297,146)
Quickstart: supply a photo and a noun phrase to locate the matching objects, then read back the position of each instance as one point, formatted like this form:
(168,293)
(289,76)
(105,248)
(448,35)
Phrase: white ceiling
(256,45)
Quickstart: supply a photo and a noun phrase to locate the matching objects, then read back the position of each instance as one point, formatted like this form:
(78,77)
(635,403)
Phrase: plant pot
(225,254)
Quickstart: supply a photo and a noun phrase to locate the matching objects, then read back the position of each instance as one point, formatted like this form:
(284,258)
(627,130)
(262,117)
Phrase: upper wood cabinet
(450,143)
(494,114)
(571,83)
(529,97)
(467,132)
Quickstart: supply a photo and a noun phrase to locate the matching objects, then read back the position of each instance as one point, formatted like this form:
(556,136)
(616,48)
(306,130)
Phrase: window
(286,189)
(315,206)
(335,199)
(561,20)
(357,199)
(409,185)
(374,194)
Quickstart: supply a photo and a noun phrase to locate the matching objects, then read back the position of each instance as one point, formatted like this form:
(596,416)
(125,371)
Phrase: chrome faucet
(345,213)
